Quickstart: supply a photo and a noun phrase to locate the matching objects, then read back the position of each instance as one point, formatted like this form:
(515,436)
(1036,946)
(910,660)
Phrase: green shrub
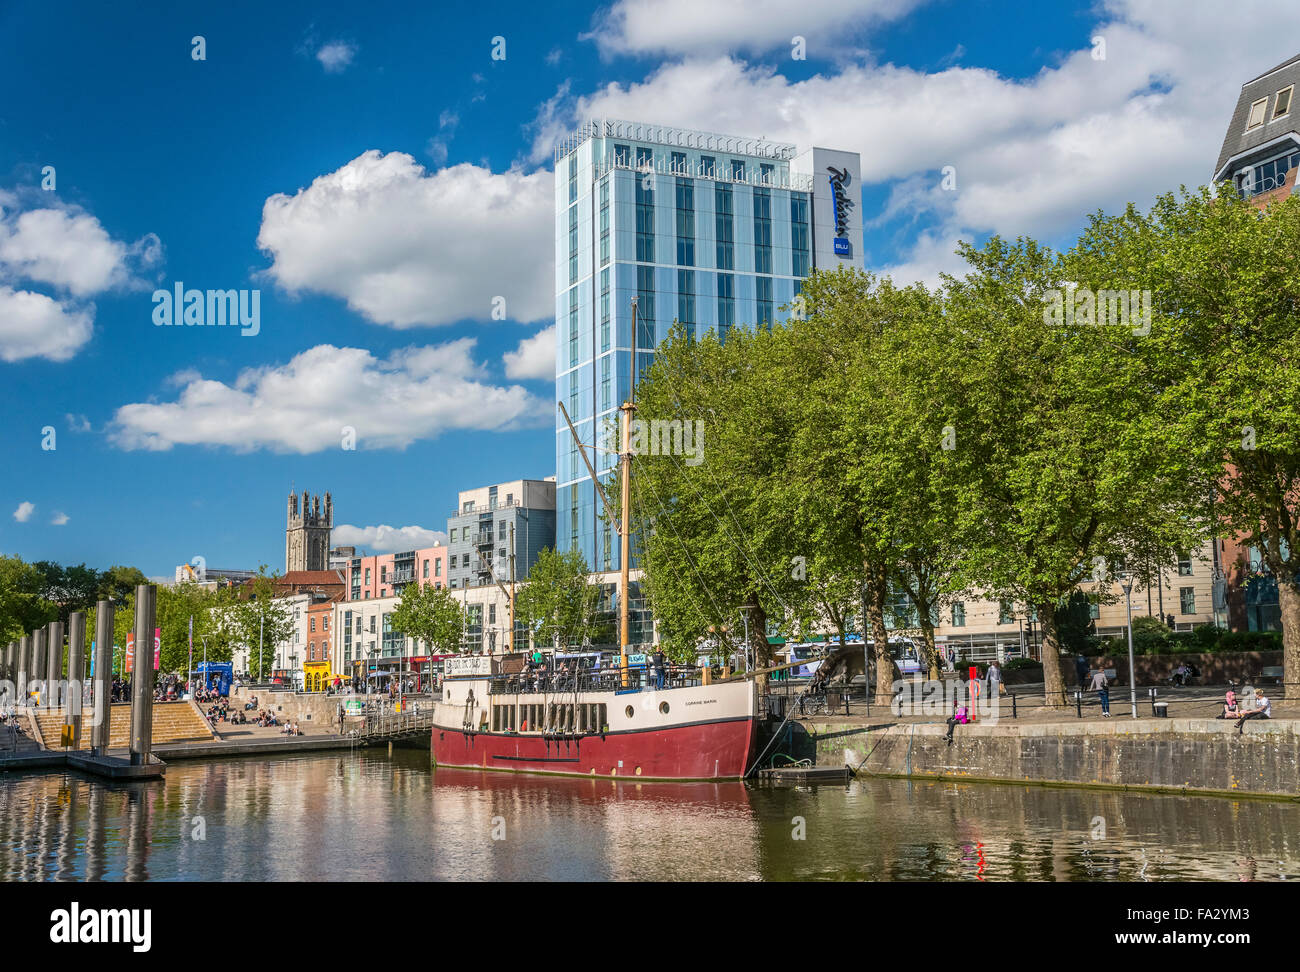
(1016,664)
(1249,641)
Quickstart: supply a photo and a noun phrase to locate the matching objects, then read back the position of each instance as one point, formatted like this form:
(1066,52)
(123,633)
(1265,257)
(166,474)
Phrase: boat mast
(626,411)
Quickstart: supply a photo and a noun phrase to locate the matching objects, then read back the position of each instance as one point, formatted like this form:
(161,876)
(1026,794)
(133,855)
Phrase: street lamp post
(1127,584)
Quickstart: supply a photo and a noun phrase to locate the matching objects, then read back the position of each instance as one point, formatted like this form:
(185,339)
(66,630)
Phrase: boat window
(663,707)
(628,711)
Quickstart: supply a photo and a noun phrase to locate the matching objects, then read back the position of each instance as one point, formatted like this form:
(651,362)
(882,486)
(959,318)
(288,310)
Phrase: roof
(1239,143)
(308,577)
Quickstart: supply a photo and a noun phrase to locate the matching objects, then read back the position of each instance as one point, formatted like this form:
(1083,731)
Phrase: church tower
(307,536)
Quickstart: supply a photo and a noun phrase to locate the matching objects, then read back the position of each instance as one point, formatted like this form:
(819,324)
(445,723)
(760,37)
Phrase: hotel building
(714,231)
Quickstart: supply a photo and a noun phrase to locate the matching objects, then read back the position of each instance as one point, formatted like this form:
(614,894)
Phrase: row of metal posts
(34,661)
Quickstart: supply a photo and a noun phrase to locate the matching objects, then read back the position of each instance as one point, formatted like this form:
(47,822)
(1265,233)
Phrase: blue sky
(380,178)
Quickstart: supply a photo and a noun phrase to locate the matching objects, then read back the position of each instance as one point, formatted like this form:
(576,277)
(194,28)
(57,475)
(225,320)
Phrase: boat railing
(606,680)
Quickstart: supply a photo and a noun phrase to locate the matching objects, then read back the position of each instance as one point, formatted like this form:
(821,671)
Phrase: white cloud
(534,358)
(59,519)
(336,56)
(35,326)
(78,422)
(24,511)
(71,251)
(304,405)
(406,248)
(1032,155)
(678,27)
(387,539)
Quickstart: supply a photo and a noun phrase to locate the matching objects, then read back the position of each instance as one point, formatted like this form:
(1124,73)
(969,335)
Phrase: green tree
(23,605)
(560,604)
(118,583)
(718,543)
(1058,459)
(432,615)
(258,620)
(1222,353)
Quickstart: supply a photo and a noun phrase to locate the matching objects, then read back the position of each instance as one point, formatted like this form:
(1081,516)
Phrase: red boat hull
(700,751)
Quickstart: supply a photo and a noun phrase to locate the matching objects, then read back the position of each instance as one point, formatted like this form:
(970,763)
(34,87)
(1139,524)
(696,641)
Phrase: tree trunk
(763,656)
(877,597)
(931,652)
(1053,678)
(1288,601)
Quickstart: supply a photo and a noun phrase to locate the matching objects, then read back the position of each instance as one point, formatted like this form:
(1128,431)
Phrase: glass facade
(703,235)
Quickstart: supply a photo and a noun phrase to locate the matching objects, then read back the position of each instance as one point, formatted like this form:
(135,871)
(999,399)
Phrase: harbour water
(368,816)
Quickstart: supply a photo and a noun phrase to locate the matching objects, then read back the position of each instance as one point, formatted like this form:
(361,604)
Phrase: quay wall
(1184,755)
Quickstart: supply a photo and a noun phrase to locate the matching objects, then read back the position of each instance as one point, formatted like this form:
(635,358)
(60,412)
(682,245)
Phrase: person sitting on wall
(1230,708)
(1263,710)
(958,718)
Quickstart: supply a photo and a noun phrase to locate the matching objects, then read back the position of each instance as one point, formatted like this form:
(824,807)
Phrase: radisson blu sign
(840,179)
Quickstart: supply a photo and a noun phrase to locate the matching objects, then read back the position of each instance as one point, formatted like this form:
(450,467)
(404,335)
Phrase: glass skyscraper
(714,231)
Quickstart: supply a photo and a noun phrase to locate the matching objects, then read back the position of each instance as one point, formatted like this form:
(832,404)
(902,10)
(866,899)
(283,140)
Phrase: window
(765,173)
(726,304)
(452,537)
(1256,114)
(764,292)
(573,327)
(708,166)
(724,227)
(1267,175)
(426,570)
(383,574)
(1187,600)
(573,178)
(604,383)
(737,170)
(492,614)
(437,568)
(325,623)
(501,529)
(645,209)
(622,155)
(685,222)
(1094,610)
(372,624)
(799,233)
(1283,104)
(573,244)
(1006,612)
(645,308)
(762,231)
(464,560)
(604,309)
(367,576)
(959,615)
(313,625)
(686,296)
(1184,565)
(679,162)
(604,221)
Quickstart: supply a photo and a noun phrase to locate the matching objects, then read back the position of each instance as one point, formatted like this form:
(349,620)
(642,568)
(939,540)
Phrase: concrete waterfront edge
(1187,756)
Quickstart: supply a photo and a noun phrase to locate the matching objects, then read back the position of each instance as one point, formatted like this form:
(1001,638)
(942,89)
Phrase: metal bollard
(1078,704)
(1013,705)
(1152,693)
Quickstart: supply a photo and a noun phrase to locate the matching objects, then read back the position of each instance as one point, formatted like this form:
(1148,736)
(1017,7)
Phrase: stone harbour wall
(1186,755)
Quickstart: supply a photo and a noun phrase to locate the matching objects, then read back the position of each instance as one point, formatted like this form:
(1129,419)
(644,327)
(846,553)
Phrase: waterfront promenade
(1187,751)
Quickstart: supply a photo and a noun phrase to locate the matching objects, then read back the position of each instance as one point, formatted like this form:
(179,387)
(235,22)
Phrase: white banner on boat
(468,665)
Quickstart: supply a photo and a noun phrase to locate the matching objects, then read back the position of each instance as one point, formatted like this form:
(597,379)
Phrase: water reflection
(365,816)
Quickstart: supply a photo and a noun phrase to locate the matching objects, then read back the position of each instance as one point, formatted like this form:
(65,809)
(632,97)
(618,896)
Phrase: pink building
(384,575)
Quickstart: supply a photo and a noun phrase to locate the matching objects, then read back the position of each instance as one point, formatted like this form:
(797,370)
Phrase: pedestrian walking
(993,679)
(1102,689)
